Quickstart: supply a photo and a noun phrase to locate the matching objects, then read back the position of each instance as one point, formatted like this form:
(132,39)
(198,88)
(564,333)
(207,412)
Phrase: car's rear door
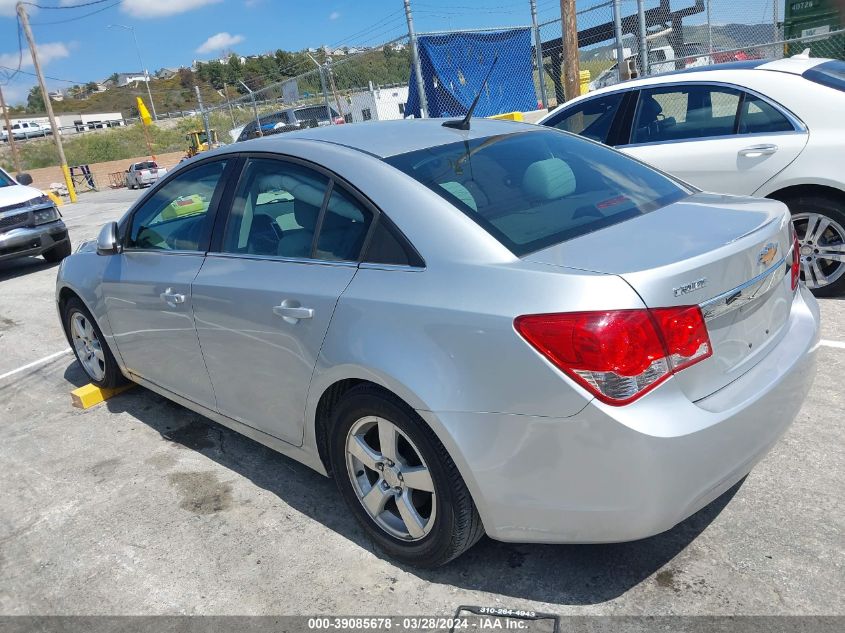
(265,296)
(147,287)
(717,137)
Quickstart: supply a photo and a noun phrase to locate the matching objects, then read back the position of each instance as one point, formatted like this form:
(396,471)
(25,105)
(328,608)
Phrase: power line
(78,17)
(68,6)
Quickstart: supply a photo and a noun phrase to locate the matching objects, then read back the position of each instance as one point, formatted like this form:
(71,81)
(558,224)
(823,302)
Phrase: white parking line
(836,344)
(35,363)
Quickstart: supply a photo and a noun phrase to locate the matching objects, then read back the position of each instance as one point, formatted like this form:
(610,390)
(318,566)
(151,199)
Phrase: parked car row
(25,129)
(770,129)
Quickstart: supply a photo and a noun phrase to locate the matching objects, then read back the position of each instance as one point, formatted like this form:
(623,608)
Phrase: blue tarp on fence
(454,67)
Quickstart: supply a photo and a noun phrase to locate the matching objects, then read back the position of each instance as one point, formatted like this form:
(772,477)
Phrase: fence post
(538,54)
(710,32)
(415,56)
(204,114)
(645,65)
(620,49)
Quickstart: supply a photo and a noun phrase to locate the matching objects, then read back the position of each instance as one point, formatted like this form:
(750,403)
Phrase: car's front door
(147,287)
(264,300)
(718,138)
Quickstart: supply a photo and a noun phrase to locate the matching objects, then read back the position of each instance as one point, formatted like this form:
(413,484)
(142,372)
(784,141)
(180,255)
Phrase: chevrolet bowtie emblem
(768,254)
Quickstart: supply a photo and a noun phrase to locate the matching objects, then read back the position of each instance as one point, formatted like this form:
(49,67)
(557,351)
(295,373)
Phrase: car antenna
(463,124)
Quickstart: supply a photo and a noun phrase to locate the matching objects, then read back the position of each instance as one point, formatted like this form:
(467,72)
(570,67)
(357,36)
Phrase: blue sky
(175,32)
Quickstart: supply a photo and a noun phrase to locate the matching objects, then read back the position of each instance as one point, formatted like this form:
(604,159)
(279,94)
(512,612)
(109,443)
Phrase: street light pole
(140,61)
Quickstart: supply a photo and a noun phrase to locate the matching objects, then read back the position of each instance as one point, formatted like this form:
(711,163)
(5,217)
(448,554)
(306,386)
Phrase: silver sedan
(507,330)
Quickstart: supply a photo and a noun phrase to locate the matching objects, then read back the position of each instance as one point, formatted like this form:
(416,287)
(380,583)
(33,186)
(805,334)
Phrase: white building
(376,104)
(74,123)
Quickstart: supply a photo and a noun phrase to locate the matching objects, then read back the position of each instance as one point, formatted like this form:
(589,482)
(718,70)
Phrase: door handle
(758,150)
(291,311)
(172,298)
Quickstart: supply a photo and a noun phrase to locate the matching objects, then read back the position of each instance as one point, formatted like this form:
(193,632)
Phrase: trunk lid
(730,255)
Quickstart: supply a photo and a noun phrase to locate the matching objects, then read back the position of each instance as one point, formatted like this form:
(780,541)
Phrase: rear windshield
(534,189)
(320,113)
(148,165)
(830,74)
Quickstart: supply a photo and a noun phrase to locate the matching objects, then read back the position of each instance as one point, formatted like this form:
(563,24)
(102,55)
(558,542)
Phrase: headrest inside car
(548,179)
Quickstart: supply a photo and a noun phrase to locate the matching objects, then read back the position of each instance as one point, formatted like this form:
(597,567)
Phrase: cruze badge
(692,286)
(768,254)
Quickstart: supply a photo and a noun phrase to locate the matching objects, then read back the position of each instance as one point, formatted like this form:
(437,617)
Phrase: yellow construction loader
(198,142)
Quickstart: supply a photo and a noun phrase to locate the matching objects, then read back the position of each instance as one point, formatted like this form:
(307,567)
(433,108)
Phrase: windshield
(6,179)
(830,74)
(534,189)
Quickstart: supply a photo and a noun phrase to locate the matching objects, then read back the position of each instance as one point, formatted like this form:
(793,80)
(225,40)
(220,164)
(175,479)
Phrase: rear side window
(760,117)
(591,118)
(830,74)
(530,190)
(684,112)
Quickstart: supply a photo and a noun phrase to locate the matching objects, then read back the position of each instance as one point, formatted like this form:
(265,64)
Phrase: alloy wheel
(821,243)
(88,348)
(390,478)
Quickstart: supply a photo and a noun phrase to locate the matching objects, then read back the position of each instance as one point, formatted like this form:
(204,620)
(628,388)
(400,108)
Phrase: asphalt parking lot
(138,506)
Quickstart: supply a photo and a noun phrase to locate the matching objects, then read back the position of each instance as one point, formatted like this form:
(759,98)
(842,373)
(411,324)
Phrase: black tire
(457,525)
(833,209)
(113,376)
(57,253)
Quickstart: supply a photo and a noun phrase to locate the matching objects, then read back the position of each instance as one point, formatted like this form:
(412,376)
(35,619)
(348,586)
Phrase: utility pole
(644,61)
(330,73)
(15,158)
(415,57)
(204,118)
(323,85)
(569,39)
(254,107)
(538,54)
(71,192)
(229,103)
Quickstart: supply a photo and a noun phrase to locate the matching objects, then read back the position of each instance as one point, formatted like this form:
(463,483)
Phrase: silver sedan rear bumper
(612,474)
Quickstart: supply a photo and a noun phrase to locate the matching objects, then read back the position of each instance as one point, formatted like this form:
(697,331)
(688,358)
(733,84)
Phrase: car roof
(387,138)
(790,65)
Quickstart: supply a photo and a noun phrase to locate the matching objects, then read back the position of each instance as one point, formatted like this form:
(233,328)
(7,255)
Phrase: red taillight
(796,260)
(621,354)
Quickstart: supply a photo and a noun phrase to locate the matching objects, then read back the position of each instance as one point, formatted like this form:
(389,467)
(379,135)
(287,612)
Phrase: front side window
(591,118)
(276,210)
(678,113)
(534,189)
(175,216)
(366,114)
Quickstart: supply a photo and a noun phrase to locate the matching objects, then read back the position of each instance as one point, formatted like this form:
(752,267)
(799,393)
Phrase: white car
(143,174)
(26,129)
(773,129)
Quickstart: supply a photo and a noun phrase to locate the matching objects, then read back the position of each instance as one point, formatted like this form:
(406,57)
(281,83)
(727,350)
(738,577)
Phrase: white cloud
(334,15)
(47,53)
(7,7)
(219,42)
(161,8)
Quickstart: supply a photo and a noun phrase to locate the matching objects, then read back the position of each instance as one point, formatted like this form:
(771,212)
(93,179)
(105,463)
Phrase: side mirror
(107,240)
(24,179)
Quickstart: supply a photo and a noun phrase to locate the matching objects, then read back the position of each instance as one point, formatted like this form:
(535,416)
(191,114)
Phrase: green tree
(35,100)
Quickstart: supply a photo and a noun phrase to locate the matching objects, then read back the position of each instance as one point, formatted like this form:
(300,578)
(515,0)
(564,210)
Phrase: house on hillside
(122,79)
